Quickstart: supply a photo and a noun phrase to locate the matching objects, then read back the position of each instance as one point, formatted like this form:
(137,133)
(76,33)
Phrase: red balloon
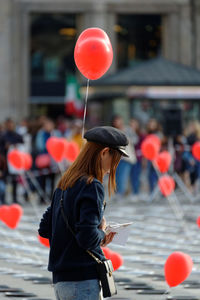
(27,161)
(93,53)
(150,149)
(15,159)
(166,184)
(11,215)
(198,221)
(107,252)
(71,151)
(42,161)
(117,260)
(44,241)
(196,150)
(56,148)
(163,161)
(178,267)
(154,138)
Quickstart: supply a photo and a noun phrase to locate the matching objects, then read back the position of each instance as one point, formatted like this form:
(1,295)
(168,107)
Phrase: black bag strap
(71,230)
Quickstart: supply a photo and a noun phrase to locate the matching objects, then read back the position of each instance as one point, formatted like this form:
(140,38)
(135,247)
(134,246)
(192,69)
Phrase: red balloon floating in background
(56,148)
(44,241)
(43,161)
(178,267)
(198,221)
(15,159)
(150,148)
(196,150)
(11,215)
(166,184)
(163,161)
(27,161)
(107,252)
(154,138)
(93,53)
(72,150)
(117,260)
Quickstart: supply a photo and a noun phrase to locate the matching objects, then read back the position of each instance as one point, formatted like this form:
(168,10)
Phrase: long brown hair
(88,165)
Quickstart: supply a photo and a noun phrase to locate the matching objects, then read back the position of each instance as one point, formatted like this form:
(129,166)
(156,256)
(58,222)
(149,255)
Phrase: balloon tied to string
(93,56)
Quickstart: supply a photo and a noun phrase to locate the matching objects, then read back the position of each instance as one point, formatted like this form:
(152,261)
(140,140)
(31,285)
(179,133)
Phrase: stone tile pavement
(155,234)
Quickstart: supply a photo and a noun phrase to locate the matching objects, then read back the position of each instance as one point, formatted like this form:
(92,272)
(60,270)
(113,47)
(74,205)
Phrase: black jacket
(84,207)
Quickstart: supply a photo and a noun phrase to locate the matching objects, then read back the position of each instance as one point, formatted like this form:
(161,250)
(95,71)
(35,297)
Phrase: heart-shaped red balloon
(107,252)
(56,148)
(27,161)
(163,161)
(117,260)
(15,159)
(196,150)
(166,184)
(178,267)
(44,241)
(71,151)
(198,221)
(11,215)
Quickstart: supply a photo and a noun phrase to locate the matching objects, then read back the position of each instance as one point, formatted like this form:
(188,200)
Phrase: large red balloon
(27,161)
(178,267)
(42,161)
(93,53)
(71,151)
(11,215)
(163,161)
(15,159)
(56,148)
(196,150)
(166,184)
(44,241)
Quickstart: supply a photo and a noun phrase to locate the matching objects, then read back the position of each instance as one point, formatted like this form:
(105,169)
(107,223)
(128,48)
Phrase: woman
(74,270)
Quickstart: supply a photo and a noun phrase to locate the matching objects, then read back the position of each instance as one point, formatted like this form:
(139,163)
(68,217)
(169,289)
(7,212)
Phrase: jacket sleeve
(88,235)
(45,224)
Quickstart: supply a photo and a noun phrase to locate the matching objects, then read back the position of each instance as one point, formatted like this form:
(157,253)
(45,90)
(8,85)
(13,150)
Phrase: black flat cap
(108,136)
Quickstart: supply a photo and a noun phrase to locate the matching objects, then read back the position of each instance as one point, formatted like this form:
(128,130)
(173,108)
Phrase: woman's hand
(102,226)
(108,239)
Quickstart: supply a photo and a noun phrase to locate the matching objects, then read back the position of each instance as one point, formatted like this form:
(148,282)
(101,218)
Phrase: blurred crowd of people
(31,136)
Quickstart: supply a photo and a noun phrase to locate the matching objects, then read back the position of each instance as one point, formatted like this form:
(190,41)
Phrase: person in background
(77,133)
(3,172)
(192,134)
(9,139)
(124,168)
(47,130)
(137,138)
(152,127)
(80,225)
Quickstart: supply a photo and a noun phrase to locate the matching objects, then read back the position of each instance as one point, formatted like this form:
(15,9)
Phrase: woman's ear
(104,151)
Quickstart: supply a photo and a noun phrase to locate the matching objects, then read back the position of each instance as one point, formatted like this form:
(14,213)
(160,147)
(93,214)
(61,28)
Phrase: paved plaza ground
(155,234)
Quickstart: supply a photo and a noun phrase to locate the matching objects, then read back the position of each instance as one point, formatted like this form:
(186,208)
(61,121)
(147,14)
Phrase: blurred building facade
(28,43)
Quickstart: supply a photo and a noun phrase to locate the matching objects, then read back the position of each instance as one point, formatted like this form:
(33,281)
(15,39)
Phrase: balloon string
(85,107)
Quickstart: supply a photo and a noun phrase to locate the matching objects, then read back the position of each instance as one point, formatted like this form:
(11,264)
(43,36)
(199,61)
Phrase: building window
(52,40)
(138,38)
